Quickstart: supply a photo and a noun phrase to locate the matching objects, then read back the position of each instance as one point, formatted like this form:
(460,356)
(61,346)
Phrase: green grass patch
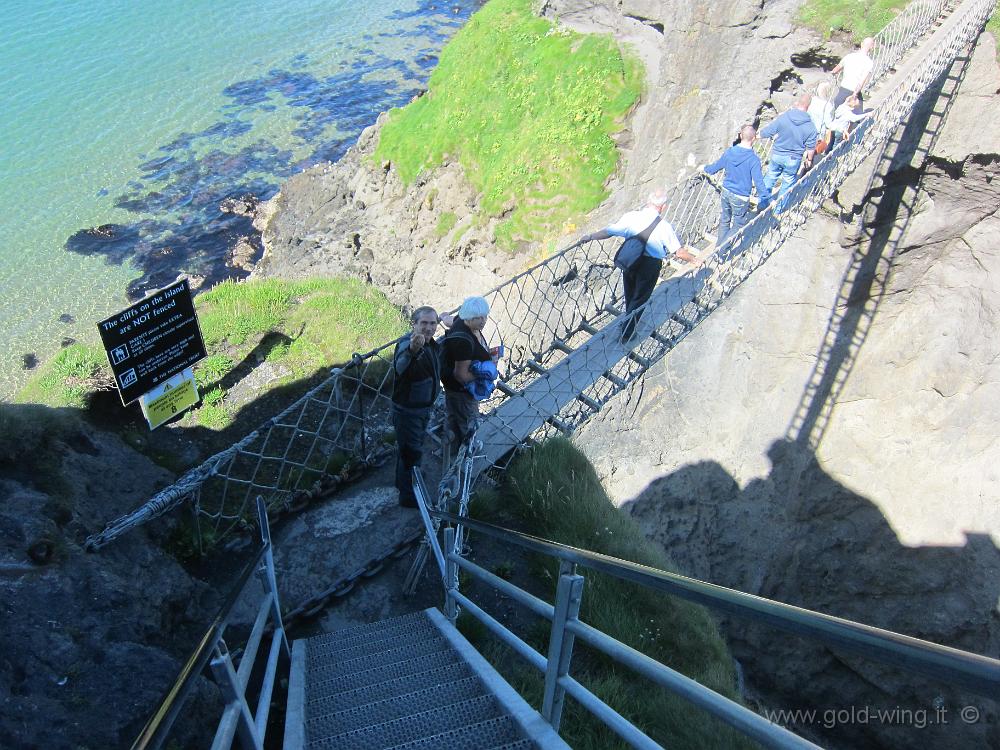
(446,222)
(993,26)
(552,491)
(301,325)
(67,379)
(859,18)
(528,108)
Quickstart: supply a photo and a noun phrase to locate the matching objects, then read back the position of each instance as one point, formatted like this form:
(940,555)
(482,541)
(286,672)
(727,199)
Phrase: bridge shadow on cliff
(890,200)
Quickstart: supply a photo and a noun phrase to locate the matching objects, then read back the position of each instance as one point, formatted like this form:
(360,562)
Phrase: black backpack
(634,247)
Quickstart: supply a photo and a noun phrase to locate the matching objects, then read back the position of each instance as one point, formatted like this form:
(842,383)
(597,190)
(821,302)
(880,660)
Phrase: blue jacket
(796,134)
(742,166)
(485,383)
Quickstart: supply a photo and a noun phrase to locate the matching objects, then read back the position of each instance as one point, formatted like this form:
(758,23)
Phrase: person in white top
(821,108)
(857,69)
(844,118)
(640,280)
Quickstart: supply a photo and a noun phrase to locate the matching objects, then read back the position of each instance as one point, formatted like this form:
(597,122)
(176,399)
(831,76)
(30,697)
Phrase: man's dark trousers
(639,281)
(411,428)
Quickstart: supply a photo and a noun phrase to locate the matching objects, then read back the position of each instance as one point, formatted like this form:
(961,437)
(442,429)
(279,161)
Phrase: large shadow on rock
(800,537)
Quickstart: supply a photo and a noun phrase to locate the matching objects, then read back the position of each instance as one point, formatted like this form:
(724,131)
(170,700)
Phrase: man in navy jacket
(794,145)
(743,172)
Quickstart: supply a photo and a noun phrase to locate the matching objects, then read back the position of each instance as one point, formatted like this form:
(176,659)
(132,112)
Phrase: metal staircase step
(318,657)
(328,669)
(454,672)
(519,745)
(408,729)
(396,707)
(501,732)
(325,688)
(369,630)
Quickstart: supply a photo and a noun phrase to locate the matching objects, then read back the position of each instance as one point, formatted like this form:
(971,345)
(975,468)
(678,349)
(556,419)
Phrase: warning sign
(173,397)
(152,340)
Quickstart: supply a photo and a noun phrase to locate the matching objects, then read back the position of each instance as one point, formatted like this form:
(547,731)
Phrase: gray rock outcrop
(90,642)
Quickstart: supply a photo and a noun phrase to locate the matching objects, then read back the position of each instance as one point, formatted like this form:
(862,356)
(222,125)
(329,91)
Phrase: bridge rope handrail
(556,320)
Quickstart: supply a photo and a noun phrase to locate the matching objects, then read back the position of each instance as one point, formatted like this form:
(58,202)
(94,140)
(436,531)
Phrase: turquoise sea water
(140,118)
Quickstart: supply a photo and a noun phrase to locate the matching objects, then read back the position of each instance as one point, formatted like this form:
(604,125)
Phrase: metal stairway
(412,683)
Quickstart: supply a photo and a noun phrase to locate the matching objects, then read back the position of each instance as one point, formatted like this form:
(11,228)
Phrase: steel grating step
(493,733)
(407,633)
(324,671)
(426,724)
(458,670)
(519,745)
(316,690)
(396,707)
(383,652)
(370,630)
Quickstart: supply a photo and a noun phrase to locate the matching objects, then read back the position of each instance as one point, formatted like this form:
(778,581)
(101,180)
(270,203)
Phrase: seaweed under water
(181,225)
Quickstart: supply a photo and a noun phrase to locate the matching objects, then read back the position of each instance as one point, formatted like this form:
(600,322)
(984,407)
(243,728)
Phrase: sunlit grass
(859,18)
(528,109)
(314,323)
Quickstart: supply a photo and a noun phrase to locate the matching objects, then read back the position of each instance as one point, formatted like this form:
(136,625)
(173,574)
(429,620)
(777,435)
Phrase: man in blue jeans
(743,173)
(794,146)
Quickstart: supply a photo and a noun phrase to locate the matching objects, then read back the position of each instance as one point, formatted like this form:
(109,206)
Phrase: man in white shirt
(640,280)
(857,70)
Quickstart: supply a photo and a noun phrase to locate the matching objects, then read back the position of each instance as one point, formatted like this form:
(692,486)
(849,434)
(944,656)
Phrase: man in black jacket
(417,366)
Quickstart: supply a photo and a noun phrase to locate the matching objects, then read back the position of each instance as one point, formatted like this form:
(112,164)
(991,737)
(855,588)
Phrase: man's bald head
(867,44)
(747,134)
(804,100)
(657,199)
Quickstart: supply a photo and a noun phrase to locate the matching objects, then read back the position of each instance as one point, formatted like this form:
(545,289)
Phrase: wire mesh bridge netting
(559,321)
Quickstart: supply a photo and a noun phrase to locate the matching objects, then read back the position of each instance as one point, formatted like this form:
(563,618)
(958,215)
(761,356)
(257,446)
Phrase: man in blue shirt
(794,145)
(743,172)
(640,280)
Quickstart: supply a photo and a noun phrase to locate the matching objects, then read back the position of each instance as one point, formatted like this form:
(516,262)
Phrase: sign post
(153,340)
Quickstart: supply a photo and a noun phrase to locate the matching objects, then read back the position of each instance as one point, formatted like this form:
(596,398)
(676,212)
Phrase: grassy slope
(313,323)
(861,18)
(528,110)
(553,492)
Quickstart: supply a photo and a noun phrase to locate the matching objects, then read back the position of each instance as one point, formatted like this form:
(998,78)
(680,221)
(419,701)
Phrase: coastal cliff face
(827,438)
(711,67)
(356,217)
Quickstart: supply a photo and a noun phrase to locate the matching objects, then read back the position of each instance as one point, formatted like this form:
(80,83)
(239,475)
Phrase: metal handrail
(979,674)
(211,649)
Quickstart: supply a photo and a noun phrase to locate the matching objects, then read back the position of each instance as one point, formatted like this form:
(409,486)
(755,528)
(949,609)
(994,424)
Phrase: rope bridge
(560,321)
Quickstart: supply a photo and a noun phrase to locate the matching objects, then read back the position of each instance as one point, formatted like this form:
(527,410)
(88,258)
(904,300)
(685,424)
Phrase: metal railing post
(270,579)
(225,675)
(569,594)
(450,576)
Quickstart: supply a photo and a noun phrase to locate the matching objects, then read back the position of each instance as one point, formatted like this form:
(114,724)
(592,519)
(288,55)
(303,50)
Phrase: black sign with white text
(152,340)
